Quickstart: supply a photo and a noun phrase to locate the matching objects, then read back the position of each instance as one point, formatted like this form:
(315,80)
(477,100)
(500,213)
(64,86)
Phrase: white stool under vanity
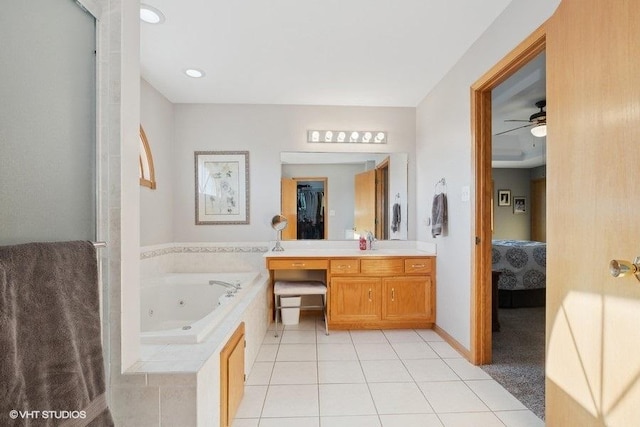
(288,288)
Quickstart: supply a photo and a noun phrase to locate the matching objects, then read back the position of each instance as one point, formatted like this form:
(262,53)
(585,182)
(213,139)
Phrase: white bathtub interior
(183,308)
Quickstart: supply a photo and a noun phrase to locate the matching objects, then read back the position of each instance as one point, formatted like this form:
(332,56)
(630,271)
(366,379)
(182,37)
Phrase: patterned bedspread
(523,263)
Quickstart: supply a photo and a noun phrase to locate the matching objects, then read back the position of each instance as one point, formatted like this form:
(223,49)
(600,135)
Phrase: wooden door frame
(481,170)
(382,195)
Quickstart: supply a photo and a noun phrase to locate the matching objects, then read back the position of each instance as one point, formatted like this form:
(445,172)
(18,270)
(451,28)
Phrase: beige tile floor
(391,378)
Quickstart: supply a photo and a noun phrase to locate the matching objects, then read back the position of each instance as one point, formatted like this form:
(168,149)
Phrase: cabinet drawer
(344,266)
(298,264)
(417,265)
(382,266)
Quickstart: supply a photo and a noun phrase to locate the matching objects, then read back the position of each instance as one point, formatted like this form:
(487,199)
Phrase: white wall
(265,131)
(156,206)
(508,225)
(443,149)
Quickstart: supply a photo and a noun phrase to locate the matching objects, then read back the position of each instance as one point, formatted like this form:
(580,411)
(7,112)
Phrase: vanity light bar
(347,136)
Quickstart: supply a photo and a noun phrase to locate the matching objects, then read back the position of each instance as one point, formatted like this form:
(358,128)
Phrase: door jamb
(481,169)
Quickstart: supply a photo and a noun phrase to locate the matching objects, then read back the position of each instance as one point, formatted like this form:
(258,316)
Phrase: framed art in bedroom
(222,187)
(504,197)
(519,205)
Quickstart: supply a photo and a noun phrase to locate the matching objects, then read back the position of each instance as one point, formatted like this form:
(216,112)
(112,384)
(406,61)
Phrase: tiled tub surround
(179,384)
(202,258)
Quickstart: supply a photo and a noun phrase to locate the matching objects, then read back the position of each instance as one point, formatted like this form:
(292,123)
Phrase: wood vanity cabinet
(373,292)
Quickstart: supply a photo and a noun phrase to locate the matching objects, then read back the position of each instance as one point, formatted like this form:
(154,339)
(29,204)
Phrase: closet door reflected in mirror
(304,204)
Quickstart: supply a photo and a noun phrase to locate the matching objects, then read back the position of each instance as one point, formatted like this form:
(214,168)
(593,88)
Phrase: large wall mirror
(338,196)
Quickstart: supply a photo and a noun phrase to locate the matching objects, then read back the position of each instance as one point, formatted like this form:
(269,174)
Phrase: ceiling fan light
(540,130)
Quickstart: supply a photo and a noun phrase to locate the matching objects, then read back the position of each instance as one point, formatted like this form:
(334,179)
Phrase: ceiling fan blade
(511,130)
(515,120)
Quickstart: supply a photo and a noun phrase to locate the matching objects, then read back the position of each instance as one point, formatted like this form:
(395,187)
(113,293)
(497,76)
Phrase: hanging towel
(51,358)
(439,214)
(395,222)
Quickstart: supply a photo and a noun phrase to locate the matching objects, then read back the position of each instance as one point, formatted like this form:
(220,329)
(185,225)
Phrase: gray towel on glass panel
(439,214)
(51,358)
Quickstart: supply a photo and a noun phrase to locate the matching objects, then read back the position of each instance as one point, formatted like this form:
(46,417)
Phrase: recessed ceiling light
(150,14)
(193,72)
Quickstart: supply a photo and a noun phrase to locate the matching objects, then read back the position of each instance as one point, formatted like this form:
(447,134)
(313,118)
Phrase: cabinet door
(232,376)
(407,298)
(355,299)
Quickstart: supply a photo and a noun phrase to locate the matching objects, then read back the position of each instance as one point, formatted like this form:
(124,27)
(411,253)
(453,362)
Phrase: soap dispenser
(363,243)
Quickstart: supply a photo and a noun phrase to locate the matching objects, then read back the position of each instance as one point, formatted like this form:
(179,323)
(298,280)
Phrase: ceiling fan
(537,120)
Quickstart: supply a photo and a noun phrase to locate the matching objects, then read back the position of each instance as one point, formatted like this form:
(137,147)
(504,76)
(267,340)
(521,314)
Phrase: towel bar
(99,244)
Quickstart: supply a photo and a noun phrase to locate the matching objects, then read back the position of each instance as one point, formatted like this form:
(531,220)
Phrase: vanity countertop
(342,251)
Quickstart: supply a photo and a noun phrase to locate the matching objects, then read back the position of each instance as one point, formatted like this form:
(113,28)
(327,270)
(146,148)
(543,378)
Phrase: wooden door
(365,202)
(355,299)
(593,113)
(406,298)
(289,207)
(539,210)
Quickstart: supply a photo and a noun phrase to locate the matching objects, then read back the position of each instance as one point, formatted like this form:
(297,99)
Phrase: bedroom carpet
(518,355)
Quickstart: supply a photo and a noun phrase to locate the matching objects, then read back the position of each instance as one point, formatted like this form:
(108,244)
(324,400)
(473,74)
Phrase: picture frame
(519,205)
(221,187)
(504,197)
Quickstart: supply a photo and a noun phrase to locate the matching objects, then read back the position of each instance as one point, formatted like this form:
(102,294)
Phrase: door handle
(621,268)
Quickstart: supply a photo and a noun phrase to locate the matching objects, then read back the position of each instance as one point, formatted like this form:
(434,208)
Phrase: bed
(522,267)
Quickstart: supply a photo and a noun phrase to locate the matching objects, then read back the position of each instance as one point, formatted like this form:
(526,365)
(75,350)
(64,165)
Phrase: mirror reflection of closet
(304,204)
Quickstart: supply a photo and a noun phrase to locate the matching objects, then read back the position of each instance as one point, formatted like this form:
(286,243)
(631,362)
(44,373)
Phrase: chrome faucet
(235,286)
(370,239)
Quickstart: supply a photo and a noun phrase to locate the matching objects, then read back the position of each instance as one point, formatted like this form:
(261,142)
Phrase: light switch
(332,212)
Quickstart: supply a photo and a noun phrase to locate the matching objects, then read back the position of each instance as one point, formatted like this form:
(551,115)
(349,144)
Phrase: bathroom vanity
(377,289)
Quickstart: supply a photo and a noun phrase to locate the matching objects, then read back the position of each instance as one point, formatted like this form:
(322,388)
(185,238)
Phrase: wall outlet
(465,194)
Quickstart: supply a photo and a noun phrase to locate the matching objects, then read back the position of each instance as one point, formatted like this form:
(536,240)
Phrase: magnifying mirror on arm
(278,223)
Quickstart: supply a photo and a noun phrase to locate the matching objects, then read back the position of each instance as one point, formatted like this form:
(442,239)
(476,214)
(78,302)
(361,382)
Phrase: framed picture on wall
(519,205)
(504,197)
(222,187)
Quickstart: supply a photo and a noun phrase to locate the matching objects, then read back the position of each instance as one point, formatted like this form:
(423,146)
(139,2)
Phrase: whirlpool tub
(184,308)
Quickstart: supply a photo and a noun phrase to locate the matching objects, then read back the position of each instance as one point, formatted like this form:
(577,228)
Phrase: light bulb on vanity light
(328,136)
